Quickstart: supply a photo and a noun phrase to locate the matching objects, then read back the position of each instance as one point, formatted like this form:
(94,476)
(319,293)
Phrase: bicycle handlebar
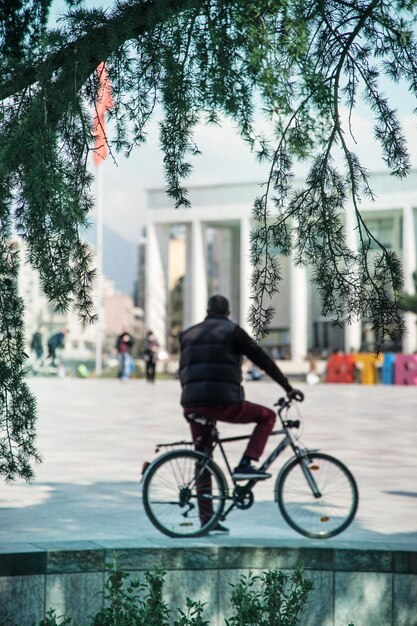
(291,423)
(283,403)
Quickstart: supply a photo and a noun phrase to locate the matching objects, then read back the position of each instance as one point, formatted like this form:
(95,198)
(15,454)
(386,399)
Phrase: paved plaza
(95,434)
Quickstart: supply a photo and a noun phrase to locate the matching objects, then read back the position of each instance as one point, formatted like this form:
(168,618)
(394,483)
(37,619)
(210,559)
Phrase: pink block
(405,369)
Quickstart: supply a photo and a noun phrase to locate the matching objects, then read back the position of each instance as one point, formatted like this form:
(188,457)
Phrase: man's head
(218,305)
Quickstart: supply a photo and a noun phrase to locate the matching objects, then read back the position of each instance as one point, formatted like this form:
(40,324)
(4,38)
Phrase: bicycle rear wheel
(325,514)
(184,493)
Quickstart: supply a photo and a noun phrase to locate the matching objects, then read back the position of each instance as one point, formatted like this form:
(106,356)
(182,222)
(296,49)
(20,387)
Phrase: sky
(225,158)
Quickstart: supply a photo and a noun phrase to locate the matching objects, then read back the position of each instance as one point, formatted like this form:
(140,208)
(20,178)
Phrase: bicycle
(185,492)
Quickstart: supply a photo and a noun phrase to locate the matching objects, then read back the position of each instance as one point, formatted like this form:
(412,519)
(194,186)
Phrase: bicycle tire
(317,517)
(170,494)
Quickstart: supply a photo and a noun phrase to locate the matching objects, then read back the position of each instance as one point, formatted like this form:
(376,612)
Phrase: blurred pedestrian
(253,373)
(54,342)
(312,377)
(124,345)
(151,355)
(37,345)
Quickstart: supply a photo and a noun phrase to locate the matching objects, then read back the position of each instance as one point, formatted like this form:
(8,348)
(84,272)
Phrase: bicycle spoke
(326,515)
(183,493)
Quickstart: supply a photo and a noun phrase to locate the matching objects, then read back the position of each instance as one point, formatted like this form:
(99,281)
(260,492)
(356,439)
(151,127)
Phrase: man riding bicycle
(211,377)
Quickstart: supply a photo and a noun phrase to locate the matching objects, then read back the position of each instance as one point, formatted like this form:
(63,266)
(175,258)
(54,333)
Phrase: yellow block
(367,364)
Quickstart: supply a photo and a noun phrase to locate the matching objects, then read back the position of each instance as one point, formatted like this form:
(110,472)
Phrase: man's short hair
(218,305)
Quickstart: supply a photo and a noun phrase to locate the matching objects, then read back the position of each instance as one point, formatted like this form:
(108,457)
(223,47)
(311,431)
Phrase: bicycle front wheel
(184,493)
(317,495)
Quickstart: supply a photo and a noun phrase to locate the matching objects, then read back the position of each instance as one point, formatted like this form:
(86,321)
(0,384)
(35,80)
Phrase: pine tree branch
(130,21)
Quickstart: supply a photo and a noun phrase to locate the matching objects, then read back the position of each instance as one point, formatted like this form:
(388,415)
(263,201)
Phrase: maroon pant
(236,413)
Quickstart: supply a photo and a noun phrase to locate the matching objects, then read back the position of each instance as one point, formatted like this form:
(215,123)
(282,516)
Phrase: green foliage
(22,26)
(272,599)
(130,602)
(340,54)
(197,60)
(193,616)
(17,405)
(51,619)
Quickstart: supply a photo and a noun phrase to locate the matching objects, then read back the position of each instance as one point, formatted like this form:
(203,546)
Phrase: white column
(198,273)
(245,273)
(225,262)
(353,330)
(186,309)
(156,300)
(186,306)
(234,271)
(299,313)
(409,266)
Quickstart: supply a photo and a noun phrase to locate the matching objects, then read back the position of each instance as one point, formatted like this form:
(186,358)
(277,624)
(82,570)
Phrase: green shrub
(194,615)
(134,603)
(271,599)
(52,620)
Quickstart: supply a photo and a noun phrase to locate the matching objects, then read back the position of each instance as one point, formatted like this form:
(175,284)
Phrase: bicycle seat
(198,418)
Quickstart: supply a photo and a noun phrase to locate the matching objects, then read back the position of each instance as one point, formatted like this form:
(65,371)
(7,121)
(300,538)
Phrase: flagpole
(104,102)
(99,266)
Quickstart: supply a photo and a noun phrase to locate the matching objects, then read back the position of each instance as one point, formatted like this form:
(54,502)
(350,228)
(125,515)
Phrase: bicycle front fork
(308,467)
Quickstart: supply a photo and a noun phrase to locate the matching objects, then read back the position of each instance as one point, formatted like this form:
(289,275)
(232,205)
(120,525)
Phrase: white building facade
(216,233)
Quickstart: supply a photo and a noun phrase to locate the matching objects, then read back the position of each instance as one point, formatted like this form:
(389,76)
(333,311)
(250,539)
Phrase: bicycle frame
(287,441)
(283,444)
(240,491)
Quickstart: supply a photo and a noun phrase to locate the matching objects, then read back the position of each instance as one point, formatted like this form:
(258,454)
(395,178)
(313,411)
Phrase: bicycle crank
(242,499)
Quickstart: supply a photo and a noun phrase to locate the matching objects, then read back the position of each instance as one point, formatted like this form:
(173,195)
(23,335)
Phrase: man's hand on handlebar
(295,394)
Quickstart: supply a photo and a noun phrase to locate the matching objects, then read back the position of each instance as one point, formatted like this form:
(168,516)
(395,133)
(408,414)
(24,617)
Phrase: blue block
(387,369)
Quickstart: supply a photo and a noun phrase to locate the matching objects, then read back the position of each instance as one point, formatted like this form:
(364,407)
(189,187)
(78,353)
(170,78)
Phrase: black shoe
(246,472)
(218,529)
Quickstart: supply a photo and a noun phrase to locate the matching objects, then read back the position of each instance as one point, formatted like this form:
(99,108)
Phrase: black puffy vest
(210,370)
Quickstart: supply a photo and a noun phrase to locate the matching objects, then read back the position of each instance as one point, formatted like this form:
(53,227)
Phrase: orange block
(340,369)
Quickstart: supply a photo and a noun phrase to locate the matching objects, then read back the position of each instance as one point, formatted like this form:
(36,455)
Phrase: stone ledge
(200,554)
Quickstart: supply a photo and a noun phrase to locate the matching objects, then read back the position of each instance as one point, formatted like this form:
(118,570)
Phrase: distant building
(215,237)
(118,313)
